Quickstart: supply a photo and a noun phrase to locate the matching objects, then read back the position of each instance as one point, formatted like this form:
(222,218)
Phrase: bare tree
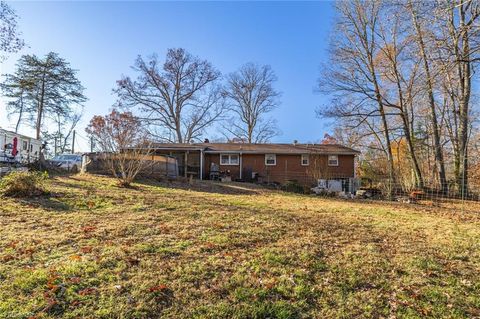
(429,79)
(398,67)
(65,124)
(10,41)
(460,48)
(318,167)
(352,77)
(400,78)
(123,140)
(251,97)
(181,97)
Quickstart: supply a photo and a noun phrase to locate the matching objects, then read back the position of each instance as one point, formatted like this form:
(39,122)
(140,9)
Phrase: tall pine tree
(42,88)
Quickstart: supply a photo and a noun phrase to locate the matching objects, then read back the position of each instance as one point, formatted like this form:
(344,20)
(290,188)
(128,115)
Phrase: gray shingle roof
(259,148)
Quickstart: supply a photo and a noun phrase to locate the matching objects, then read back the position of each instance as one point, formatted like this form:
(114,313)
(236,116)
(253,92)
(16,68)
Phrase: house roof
(250,148)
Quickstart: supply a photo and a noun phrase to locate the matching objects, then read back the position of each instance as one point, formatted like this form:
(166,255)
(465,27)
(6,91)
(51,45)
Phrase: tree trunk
(40,107)
(406,129)
(411,148)
(436,134)
(464,105)
(17,126)
(388,144)
(179,132)
(381,108)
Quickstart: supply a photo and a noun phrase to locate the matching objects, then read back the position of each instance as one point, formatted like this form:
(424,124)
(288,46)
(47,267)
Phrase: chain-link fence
(379,187)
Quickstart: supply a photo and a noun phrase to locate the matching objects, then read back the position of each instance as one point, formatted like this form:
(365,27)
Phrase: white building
(18,148)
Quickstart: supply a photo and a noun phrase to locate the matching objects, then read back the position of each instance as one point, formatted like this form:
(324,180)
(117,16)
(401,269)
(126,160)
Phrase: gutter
(279,153)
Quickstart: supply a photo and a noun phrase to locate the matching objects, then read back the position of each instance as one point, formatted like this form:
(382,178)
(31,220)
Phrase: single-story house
(268,163)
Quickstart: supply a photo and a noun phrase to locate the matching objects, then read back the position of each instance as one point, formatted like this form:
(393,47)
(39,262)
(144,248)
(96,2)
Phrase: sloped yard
(94,250)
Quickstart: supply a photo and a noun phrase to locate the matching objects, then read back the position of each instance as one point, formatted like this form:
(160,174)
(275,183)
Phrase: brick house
(268,163)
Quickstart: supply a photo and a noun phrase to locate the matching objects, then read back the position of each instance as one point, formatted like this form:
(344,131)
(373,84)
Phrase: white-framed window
(305,160)
(229,159)
(332,160)
(270,159)
(24,145)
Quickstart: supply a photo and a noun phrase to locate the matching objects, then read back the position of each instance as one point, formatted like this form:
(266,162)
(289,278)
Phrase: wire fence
(456,195)
(381,187)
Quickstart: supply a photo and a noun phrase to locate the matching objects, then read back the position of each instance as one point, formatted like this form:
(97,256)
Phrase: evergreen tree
(41,89)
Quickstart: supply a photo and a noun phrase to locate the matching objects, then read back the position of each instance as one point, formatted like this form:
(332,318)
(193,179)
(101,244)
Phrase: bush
(294,187)
(23,184)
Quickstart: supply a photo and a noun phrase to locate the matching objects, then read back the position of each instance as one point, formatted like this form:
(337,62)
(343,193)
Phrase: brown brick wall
(288,167)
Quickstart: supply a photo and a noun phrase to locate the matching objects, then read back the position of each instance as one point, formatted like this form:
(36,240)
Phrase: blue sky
(102,40)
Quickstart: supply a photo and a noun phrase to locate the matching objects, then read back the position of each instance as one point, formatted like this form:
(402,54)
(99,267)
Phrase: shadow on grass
(228,188)
(232,188)
(61,183)
(49,202)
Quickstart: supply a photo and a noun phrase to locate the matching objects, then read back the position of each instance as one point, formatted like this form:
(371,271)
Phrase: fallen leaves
(89,229)
(353,259)
(86,249)
(158,288)
(87,291)
(75,257)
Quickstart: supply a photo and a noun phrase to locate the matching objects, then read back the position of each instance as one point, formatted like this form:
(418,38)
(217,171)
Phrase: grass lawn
(94,250)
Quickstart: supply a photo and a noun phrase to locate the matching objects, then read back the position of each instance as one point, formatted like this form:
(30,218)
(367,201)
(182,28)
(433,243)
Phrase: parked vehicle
(69,162)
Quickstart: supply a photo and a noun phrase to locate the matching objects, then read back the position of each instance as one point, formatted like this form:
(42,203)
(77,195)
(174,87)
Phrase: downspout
(355,163)
(353,187)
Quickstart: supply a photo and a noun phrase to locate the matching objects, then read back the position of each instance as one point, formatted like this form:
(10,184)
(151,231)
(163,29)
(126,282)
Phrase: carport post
(201,164)
(241,166)
(185,166)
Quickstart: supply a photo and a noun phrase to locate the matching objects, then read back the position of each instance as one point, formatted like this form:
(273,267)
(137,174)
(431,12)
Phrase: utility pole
(55,150)
(73,142)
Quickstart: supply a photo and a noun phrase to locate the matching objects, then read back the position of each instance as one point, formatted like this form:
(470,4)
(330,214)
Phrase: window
(229,159)
(25,145)
(270,159)
(305,160)
(332,160)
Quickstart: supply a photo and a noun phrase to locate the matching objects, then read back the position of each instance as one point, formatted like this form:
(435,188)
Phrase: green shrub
(23,184)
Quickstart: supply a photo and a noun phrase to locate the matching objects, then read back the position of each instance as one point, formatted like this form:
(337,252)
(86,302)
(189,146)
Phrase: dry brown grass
(231,251)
